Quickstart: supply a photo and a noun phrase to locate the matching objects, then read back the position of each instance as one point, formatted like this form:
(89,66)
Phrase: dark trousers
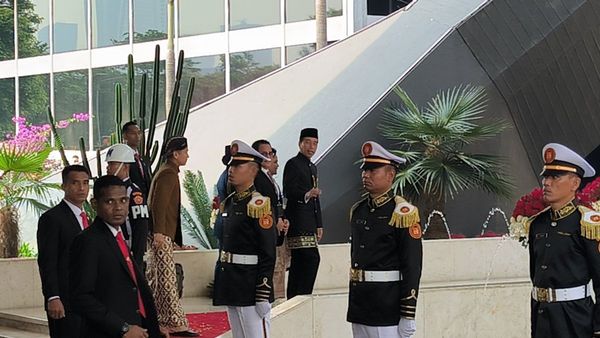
(303,271)
(68,327)
(571,319)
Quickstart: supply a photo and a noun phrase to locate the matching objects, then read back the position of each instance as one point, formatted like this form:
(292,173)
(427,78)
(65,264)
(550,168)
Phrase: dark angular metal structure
(539,61)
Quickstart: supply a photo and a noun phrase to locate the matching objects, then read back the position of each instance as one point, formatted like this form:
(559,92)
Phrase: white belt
(228,257)
(357,275)
(549,295)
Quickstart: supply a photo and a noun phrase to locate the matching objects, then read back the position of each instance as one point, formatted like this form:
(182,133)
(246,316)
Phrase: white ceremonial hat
(120,153)
(241,152)
(559,159)
(374,155)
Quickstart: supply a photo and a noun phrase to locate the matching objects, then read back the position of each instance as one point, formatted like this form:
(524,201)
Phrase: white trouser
(245,322)
(364,331)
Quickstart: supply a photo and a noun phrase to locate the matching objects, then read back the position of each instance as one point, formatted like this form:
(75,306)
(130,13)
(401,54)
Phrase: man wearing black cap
(386,252)
(303,210)
(165,204)
(244,279)
(564,251)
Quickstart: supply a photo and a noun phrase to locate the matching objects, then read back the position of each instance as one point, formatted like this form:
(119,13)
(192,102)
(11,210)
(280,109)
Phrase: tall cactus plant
(176,123)
(176,119)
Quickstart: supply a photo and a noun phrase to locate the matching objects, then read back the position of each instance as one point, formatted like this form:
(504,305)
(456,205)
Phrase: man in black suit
(56,229)
(303,210)
(107,287)
(138,172)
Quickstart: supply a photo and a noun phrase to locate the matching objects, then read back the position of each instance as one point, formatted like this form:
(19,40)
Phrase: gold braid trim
(259,206)
(590,223)
(405,214)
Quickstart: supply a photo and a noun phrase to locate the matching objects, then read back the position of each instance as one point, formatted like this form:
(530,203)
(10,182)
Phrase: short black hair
(259,143)
(73,168)
(104,182)
(127,125)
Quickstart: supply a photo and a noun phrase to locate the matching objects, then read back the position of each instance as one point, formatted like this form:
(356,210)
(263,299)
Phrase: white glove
(406,327)
(262,308)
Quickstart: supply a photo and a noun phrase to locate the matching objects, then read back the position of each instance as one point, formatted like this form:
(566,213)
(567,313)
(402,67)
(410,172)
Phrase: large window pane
(299,10)
(7,107)
(7,31)
(334,8)
(70,98)
(147,68)
(247,66)
(110,22)
(70,25)
(34,98)
(255,13)
(103,101)
(201,17)
(33,32)
(149,20)
(209,72)
(293,53)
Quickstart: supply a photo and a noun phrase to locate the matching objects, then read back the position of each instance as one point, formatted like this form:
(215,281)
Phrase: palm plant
(195,189)
(21,173)
(433,138)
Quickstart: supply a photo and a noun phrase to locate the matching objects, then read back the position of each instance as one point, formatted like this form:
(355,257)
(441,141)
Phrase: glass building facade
(68,54)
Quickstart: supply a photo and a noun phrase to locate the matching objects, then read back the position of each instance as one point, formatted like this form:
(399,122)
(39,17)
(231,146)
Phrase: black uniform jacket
(57,228)
(139,217)
(561,257)
(378,246)
(135,173)
(102,290)
(244,285)
(299,176)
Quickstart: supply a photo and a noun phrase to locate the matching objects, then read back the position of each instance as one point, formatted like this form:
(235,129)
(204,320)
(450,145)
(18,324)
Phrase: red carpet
(210,324)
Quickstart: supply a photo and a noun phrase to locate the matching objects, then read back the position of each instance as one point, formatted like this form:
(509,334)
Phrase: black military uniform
(564,253)
(300,176)
(244,273)
(140,174)
(378,246)
(138,219)
(245,234)
(386,253)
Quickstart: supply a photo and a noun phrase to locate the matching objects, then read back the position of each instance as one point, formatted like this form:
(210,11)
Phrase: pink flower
(62,124)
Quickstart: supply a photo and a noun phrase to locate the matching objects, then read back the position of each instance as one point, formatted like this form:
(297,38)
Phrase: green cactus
(176,121)
(84,158)
(130,89)
(118,112)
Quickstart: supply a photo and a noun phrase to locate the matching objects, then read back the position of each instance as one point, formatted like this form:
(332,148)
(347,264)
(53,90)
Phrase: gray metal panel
(551,83)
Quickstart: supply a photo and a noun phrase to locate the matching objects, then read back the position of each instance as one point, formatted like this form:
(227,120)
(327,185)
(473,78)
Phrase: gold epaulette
(259,206)
(590,223)
(405,214)
(355,205)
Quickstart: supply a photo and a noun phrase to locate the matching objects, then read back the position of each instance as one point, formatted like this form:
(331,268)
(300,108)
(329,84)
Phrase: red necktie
(139,162)
(84,220)
(125,253)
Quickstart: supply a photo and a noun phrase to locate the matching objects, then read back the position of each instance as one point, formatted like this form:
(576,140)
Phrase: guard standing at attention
(386,252)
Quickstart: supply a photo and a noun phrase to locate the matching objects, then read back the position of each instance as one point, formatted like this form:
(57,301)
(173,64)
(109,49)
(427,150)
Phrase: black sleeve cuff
(263,290)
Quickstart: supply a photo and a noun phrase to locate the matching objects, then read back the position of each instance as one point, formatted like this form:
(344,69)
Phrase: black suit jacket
(136,176)
(102,290)
(299,176)
(57,228)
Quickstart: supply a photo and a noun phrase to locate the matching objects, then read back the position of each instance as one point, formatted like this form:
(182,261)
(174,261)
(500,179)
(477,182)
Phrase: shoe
(187,333)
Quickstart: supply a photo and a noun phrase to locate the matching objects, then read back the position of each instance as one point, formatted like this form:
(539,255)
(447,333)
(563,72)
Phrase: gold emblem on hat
(367,149)
(234,149)
(549,155)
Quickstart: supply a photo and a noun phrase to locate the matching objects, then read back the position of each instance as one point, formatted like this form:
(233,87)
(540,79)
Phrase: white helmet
(120,153)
